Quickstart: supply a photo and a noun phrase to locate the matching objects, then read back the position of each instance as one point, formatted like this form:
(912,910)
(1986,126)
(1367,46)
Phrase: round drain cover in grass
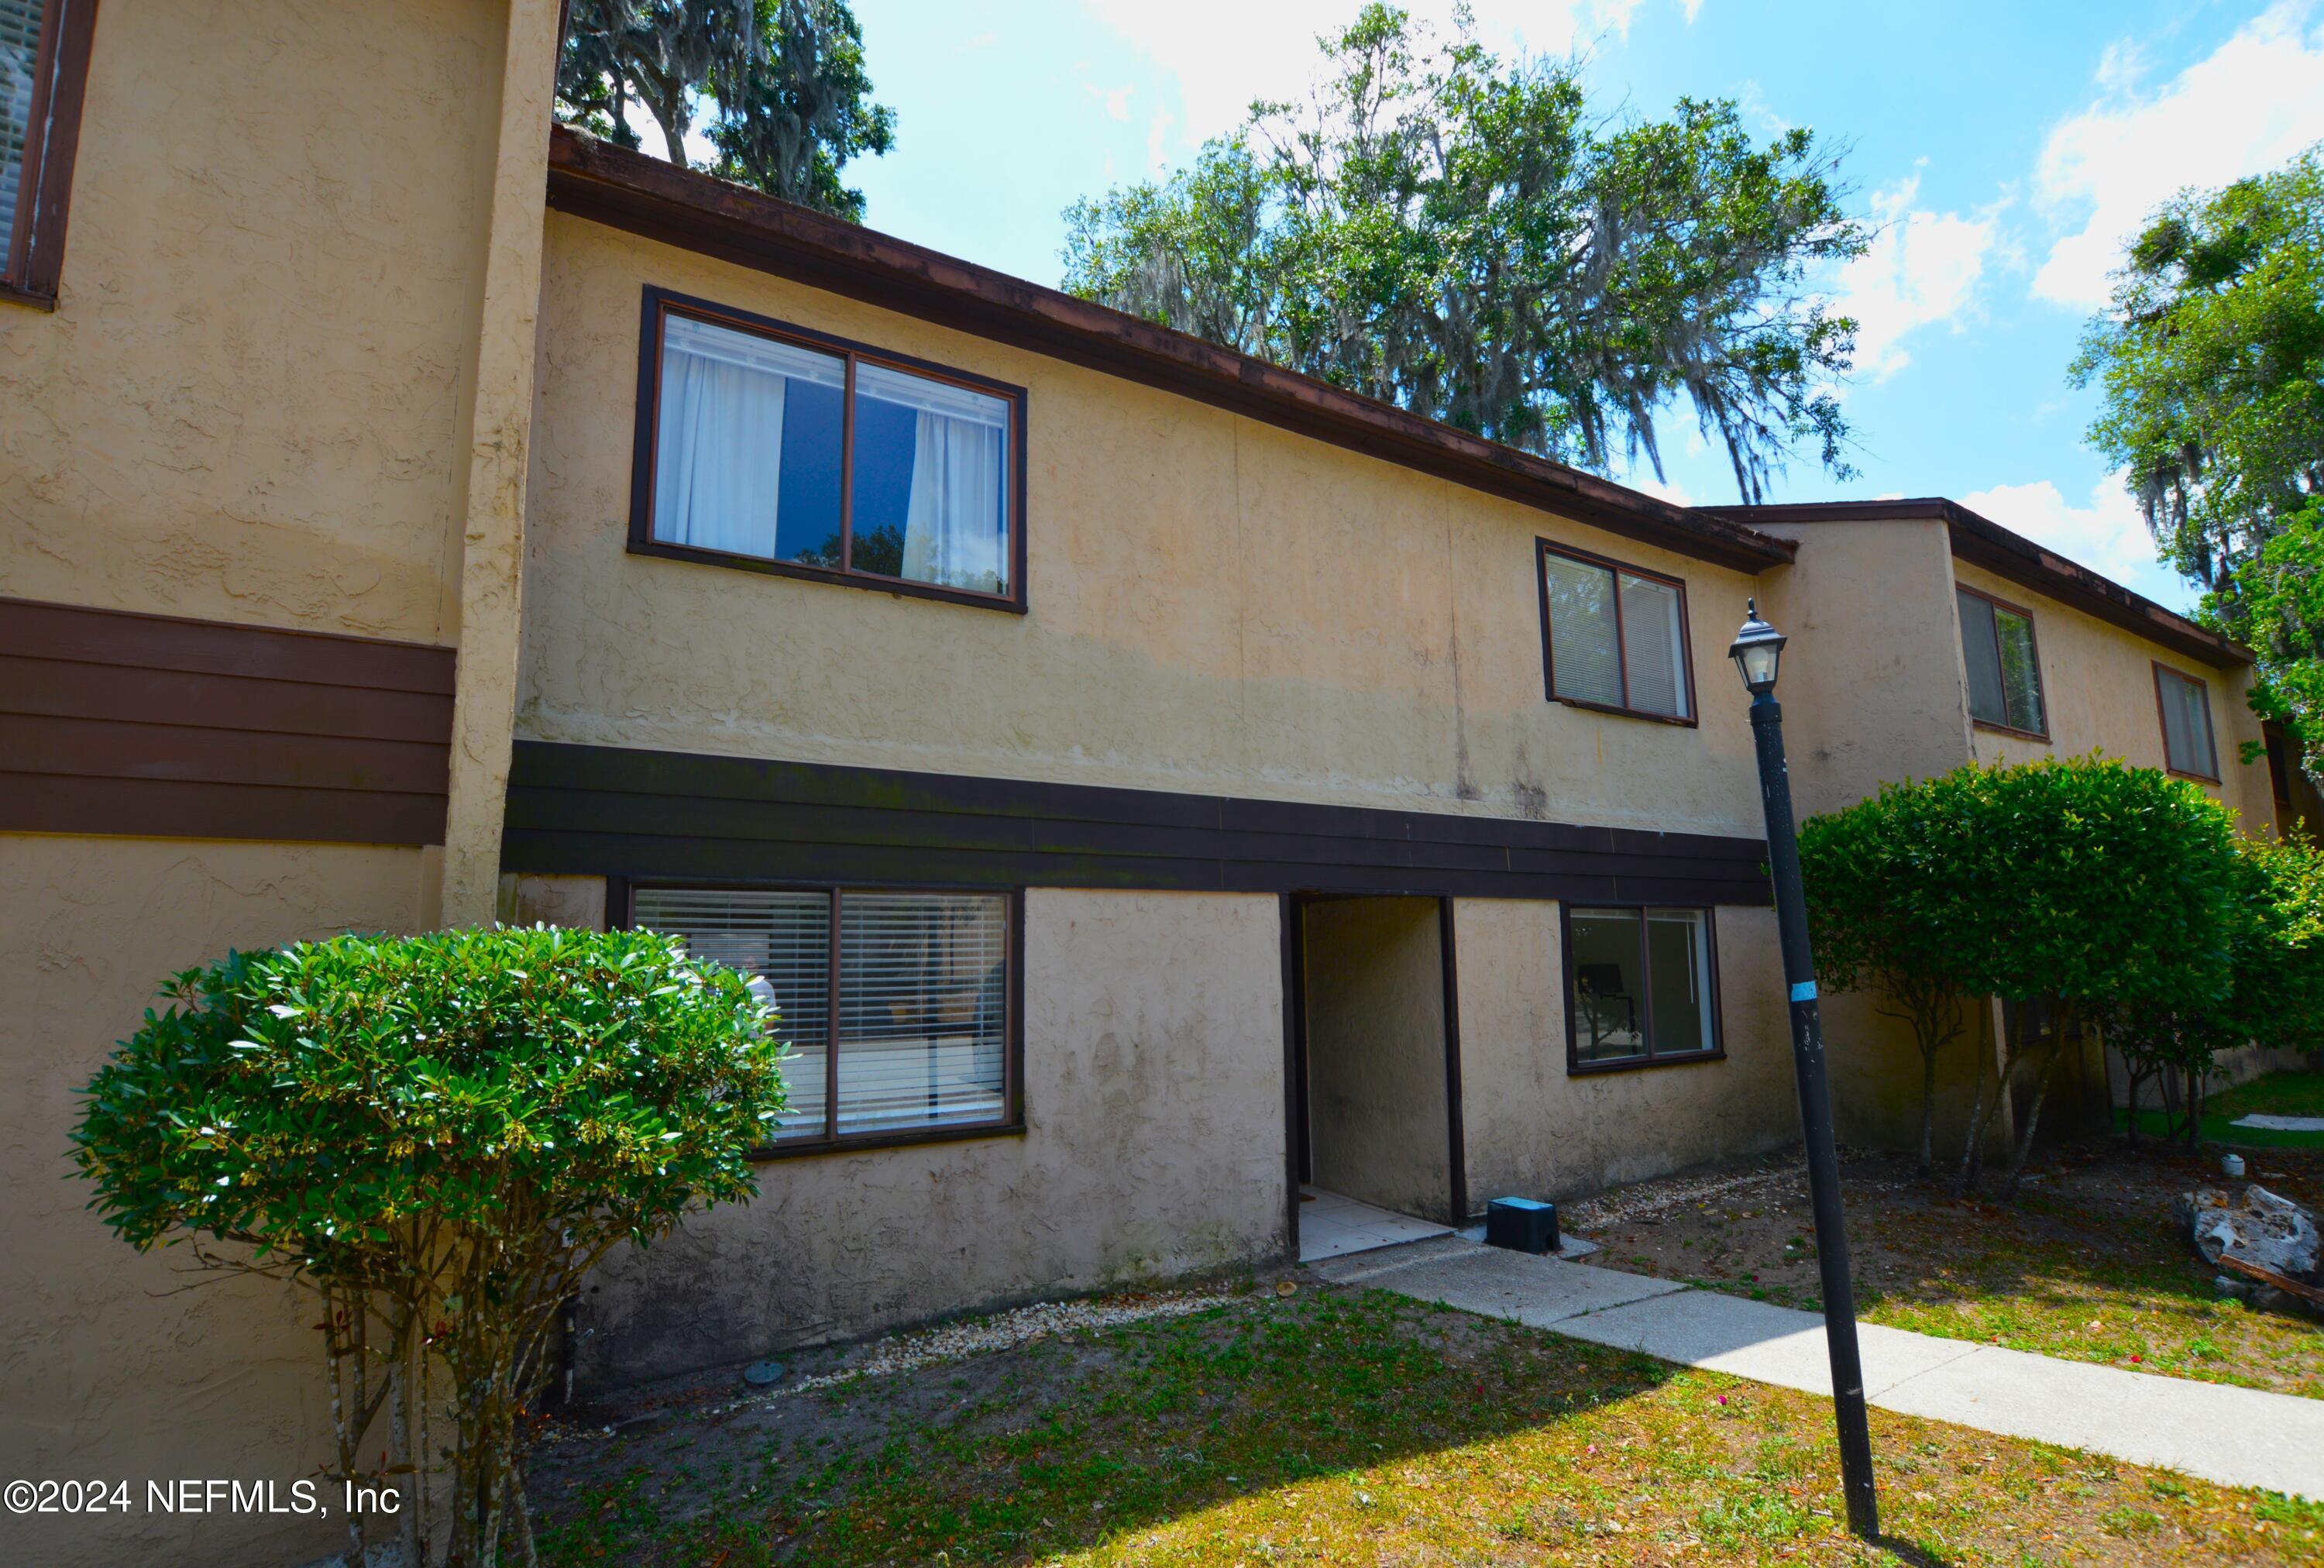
(763,1374)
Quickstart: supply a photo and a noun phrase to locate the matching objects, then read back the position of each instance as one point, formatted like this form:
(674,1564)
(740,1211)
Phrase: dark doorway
(1376,1058)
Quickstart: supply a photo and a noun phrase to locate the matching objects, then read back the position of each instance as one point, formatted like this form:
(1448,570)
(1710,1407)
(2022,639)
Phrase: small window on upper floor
(782,450)
(2186,707)
(1614,638)
(44,67)
(2005,665)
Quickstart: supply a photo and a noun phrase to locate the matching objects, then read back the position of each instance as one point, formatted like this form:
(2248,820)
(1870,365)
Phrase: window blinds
(19,56)
(922,982)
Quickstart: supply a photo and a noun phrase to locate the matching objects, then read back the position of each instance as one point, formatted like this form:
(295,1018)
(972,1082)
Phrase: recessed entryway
(1331,1224)
(1374,1121)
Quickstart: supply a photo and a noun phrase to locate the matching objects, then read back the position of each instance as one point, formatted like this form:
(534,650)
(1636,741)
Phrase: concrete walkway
(2236,1436)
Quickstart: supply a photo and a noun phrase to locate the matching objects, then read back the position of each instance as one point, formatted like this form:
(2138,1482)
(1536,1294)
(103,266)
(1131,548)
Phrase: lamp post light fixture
(1757,652)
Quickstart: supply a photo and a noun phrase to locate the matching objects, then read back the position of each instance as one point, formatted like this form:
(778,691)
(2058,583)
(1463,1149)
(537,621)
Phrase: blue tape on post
(1803,992)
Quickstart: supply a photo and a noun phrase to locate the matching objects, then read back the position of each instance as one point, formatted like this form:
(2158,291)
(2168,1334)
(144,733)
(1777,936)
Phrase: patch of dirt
(2088,1264)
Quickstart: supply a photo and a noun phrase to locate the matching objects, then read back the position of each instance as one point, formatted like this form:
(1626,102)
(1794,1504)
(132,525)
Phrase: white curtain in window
(1653,647)
(956,531)
(718,454)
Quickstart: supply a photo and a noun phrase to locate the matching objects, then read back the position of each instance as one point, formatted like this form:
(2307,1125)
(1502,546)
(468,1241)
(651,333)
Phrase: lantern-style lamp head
(1756,651)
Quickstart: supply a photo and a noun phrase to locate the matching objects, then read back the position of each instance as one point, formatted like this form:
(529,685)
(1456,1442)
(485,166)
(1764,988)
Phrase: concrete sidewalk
(2236,1436)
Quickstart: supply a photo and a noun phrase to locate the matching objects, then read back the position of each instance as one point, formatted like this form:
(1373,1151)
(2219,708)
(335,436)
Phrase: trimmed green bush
(2082,880)
(440,1135)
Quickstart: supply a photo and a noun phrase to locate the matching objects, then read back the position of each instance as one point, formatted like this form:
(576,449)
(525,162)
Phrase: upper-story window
(44,66)
(2005,665)
(772,448)
(2186,706)
(1613,637)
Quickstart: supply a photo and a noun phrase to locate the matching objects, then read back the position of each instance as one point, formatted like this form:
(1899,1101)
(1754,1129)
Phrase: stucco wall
(1531,1131)
(1873,688)
(2097,684)
(102,1370)
(1378,1121)
(250,404)
(1155,1146)
(1216,605)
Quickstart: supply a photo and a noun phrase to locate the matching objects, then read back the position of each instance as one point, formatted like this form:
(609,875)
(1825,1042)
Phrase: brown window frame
(1543,550)
(34,261)
(661,303)
(1575,1067)
(2162,723)
(621,908)
(2041,685)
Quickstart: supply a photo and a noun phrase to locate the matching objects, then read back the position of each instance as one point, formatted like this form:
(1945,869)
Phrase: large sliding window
(778,449)
(44,66)
(1641,987)
(2186,708)
(2005,665)
(922,985)
(1614,638)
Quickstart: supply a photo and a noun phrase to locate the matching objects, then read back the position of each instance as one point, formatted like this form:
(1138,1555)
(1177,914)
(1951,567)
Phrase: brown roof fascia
(646,196)
(1983,542)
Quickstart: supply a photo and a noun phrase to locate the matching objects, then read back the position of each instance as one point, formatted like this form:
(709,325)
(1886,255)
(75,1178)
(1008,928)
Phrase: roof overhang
(646,196)
(1983,542)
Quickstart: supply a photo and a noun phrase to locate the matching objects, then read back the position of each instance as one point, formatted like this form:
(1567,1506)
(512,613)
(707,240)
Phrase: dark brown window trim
(2041,685)
(2162,723)
(659,303)
(36,246)
(1577,1068)
(621,894)
(1543,550)
(2011,730)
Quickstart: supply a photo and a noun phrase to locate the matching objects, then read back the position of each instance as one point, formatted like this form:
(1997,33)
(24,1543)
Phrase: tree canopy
(1456,235)
(780,83)
(2210,360)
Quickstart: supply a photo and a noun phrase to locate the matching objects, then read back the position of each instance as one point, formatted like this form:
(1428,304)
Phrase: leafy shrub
(440,1135)
(2082,880)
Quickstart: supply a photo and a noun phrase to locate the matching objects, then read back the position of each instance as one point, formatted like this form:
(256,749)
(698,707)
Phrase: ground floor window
(1641,986)
(920,984)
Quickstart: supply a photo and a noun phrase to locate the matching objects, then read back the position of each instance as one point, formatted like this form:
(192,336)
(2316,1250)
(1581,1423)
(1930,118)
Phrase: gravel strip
(1005,1330)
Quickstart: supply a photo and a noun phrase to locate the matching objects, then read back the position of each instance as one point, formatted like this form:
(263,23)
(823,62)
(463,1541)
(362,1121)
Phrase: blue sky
(2004,149)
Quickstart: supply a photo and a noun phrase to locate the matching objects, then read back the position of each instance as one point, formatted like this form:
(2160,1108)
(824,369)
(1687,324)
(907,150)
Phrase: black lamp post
(1757,651)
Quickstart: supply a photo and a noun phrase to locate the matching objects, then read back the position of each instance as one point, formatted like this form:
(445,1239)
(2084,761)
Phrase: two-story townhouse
(1155,787)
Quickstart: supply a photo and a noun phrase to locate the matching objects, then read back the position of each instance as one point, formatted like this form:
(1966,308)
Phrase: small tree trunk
(1928,1112)
(2032,1117)
(2194,1108)
(1973,1156)
(2130,1088)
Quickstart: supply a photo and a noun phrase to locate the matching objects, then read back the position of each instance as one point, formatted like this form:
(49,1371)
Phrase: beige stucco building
(1150,782)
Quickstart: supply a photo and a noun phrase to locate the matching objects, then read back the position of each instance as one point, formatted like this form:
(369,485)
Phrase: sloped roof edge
(646,196)
(1983,542)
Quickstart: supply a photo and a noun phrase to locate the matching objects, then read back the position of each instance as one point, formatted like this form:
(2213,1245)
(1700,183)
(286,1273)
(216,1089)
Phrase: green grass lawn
(2298,1093)
(2087,1265)
(1336,1428)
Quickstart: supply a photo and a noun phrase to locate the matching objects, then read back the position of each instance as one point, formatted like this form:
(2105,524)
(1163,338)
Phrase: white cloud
(1274,54)
(2248,107)
(2107,536)
(1115,99)
(1660,488)
(1923,270)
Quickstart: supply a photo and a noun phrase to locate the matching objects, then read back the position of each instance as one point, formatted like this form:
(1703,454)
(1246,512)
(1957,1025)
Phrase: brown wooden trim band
(646,815)
(116,723)
(35,248)
(649,196)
